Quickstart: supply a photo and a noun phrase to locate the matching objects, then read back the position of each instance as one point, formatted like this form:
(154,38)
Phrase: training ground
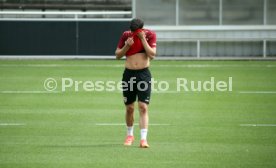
(85,129)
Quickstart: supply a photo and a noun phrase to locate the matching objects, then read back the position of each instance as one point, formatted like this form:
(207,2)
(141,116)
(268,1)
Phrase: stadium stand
(213,28)
(185,28)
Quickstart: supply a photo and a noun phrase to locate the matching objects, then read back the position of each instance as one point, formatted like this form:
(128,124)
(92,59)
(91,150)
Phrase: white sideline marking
(59,65)
(123,124)
(26,92)
(257,92)
(156,92)
(240,92)
(211,66)
(121,65)
(12,124)
(258,125)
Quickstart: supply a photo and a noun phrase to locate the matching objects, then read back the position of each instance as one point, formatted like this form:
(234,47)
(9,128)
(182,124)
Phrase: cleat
(129,140)
(144,144)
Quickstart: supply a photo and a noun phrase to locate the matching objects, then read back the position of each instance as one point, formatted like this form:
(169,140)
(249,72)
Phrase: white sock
(130,131)
(144,133)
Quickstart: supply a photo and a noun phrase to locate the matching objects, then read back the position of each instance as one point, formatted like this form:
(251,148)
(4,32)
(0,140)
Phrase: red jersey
(137,47)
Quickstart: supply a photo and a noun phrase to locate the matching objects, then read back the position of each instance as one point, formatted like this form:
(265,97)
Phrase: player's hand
(141,35)
(129,42)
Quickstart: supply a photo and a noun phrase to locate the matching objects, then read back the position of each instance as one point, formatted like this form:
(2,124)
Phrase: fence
(185,29)
(213,28)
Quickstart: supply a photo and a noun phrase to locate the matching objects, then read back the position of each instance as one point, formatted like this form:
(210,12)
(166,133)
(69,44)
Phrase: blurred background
(185,28)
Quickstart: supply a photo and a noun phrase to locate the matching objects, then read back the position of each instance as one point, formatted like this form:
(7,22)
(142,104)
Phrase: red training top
(137,47)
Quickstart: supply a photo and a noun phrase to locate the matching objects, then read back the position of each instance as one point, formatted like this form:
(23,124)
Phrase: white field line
(12,124)
(154,92)
(257,92)
(258,125)
(240,92)
(27,92)
(211,66)
(123,124)
(121,65)
(59,65)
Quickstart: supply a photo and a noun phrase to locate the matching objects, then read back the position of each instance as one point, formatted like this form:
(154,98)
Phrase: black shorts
(136,83)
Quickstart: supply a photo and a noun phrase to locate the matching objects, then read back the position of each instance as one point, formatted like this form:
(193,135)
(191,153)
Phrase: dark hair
(136,24)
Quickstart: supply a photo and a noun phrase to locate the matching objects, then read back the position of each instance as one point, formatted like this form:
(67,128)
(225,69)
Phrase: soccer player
(139,47)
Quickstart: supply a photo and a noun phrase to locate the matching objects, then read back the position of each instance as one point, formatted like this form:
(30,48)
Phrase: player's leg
(144,120)
(130,118)
(129,99)
(130,124)
(144,92)
(144,117)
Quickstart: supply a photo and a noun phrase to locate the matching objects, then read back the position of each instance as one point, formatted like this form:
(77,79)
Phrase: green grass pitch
(192,129)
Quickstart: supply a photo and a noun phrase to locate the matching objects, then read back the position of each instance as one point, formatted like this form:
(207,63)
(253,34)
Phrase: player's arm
(120,52)
(150,51)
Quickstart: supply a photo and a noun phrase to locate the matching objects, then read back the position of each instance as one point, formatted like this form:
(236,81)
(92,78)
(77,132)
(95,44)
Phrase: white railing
(65,15)
(200,34)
